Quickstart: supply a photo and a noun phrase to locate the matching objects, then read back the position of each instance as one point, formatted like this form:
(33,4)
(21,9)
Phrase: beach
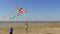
(34,28)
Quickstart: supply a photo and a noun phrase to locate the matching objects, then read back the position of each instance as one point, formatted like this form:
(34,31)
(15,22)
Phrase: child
(26,27)
(11,30)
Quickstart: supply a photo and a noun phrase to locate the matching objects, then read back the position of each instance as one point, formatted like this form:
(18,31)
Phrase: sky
(38,10)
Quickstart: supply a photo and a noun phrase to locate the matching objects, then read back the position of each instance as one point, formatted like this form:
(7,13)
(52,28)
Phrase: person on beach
(11,30)
(26,27)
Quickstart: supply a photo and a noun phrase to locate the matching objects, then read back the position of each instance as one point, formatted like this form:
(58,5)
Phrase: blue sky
(38,10)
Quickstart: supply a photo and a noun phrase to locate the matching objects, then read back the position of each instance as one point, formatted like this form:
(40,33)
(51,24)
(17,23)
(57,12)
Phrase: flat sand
(34,28)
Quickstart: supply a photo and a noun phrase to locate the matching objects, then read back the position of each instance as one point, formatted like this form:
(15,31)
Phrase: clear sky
(38,10)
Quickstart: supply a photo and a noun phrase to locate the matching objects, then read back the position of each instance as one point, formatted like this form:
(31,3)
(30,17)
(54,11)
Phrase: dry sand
(34,28)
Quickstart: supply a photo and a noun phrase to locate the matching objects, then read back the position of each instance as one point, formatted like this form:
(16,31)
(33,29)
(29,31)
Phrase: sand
(34,28)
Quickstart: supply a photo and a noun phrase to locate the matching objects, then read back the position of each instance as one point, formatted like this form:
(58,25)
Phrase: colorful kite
(20,10)
(13,16)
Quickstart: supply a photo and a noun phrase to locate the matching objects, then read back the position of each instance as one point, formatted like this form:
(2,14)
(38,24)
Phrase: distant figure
(11,30)
(26,27)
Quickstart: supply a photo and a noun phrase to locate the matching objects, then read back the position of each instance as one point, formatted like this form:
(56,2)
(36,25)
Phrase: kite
(20,10)
(18,14)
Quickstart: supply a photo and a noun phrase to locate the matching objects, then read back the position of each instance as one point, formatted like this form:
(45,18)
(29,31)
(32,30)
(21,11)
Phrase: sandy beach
(34,28)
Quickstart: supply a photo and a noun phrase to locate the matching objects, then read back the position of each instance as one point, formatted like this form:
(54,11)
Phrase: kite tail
(18,14)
